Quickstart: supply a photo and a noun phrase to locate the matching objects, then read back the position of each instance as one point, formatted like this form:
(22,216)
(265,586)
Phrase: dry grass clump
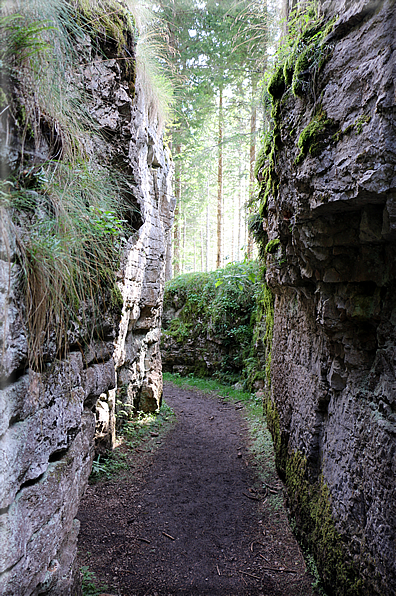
(65,213)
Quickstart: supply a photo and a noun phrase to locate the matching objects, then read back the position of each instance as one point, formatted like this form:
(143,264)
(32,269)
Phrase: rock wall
(48,418)
(332,404)
(137,150)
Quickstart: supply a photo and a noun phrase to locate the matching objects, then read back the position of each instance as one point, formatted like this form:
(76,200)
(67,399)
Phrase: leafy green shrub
(217,307)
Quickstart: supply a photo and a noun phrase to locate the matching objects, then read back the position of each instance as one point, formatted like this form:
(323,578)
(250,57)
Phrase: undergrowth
(218,306)
(134,433)
(90,584)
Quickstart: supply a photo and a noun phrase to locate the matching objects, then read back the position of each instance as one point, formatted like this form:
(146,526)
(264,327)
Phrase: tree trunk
(202,250)
(239,210)
(252,159)
(207,231)
(233,234)
(220,184)
(184,245)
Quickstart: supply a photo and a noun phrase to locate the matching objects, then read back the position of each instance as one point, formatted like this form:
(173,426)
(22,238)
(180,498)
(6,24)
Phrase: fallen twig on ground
(250,497)
(168,536)
(249,574)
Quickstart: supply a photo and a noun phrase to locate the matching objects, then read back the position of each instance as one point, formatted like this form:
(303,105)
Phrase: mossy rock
(276,86)
(301,73)
(3,98)
(272,246)
(312,137)
(260,161)
(310,505)
(116,298)
(288,69)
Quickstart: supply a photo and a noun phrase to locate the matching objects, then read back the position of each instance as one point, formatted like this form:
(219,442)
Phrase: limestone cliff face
(137,150)
(333,276)
(48,418)
(137,355)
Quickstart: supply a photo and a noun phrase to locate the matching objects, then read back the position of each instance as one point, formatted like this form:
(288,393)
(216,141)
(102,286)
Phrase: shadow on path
(194,518)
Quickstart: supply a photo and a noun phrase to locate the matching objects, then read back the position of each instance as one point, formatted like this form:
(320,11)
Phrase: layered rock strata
(48,418)
(332,403)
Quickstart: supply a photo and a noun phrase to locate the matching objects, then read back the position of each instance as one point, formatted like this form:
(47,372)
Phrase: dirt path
(194,518)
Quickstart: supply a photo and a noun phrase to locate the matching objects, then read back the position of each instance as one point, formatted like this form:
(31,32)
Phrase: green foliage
(20,40)
(213,46)
(261,347)
(90,585)
(217,305)
(256,228)
(105,467)
(67,222)
(209,385)
(137,428)
(364,119)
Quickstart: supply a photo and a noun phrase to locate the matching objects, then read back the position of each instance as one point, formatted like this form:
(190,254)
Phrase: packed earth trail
(194,517)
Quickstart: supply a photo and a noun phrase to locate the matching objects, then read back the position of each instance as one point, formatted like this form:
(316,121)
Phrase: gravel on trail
(193,516)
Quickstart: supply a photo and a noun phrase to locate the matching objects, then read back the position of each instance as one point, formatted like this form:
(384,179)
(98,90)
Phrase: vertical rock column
(137,354)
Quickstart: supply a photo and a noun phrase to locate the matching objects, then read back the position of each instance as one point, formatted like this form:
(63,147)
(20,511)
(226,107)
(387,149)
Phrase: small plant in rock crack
(90,585)
(106,467)
(317,582)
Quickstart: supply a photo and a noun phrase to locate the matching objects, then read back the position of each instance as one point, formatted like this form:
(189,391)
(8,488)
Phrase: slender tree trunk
(207,231)
(252,159)
(202,249)
(220,184)
(233,234)
(239,209)
(184,245)
(224,253)
(176,226)
(195,254)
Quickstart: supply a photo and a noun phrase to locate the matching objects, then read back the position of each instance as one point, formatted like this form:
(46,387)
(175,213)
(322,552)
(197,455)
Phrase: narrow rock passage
(196,519)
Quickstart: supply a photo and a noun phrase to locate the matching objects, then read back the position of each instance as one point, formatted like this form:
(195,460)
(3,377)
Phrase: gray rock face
(48,419)
(334,344)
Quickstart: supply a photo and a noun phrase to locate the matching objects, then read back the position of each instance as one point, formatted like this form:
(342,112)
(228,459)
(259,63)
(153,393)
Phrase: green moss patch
(312,137)
(310,507)
(276,86)
(272,246)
